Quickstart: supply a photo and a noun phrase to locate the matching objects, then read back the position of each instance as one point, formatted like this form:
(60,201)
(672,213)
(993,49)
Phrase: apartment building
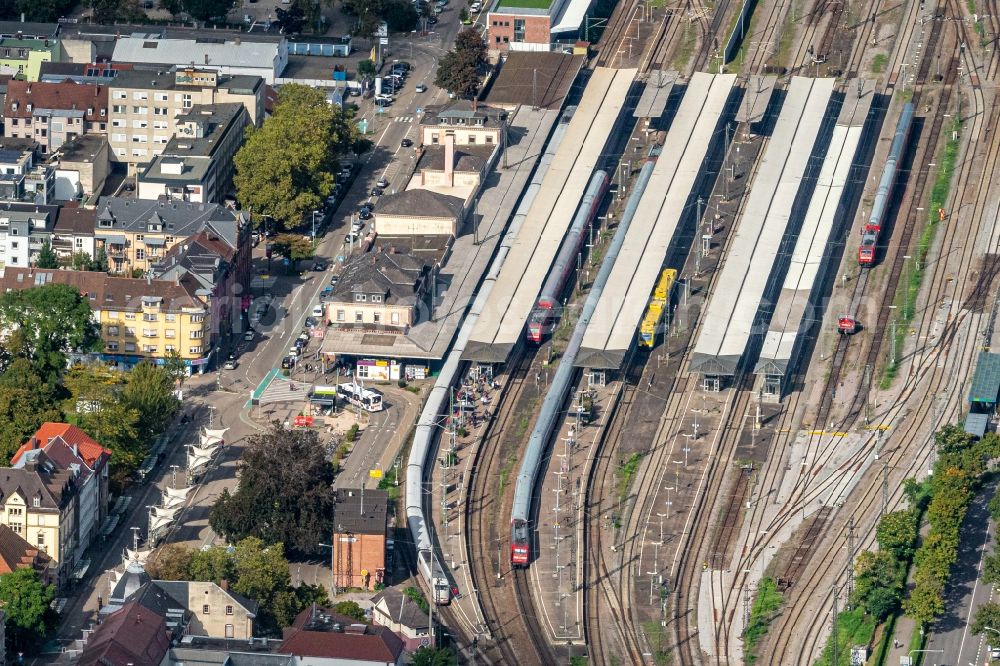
(197,163)
(54,113)
(22,176)
(74,232)
(147,105)
(23,230)
(139,319)
(37,503)
(23,58)
(70,449)
(137,233)
(82,166)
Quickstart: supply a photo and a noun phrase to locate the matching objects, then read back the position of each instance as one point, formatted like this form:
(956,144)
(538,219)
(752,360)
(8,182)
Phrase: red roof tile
(65,95)
(89,450)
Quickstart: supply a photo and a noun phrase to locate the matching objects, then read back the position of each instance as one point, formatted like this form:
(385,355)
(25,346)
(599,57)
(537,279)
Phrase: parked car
(383,182)
(287,362)
(352,238)
(356,227)
(334,280)
(432,20)
(475,7)
(249,335)
(326,293)
(311,321)
(377,191)
(230,363)
(406,142)
(365,214)
(420,88)
(319,266)
(382,102)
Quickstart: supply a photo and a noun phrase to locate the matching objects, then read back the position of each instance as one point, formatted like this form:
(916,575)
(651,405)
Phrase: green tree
(417,597)
(25,602)
(293,247)
(994,507)
(463,16)
(286,167)
(47,11)
(896,532)
(150,391)
(175,367)
(366,69)
(987,615)
(351,609)
(292,20)
(880,583)
(925,603)
(399,15)
(100,260)
(952,438)
(81,261)
(991,570)
(213,564)
(206,9)
(428,656)
(458,70)
(284,495)
(54,320)
(26,401)
(262,574)
(47,256)
(171,562)
(109,11)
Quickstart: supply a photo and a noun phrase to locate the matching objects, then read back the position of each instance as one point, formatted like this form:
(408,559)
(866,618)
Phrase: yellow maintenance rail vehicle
(658,304)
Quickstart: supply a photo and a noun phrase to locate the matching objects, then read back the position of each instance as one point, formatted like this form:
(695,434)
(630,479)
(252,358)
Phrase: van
(317,311)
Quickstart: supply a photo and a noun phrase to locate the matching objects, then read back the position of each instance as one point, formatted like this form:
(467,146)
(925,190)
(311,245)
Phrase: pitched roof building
(54,113)
(16,553)
(379,290)
(320,636)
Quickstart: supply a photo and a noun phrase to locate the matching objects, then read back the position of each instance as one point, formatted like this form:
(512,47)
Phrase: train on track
(658,306)
(422,459)
(559,388)
(548,308)
(868,249)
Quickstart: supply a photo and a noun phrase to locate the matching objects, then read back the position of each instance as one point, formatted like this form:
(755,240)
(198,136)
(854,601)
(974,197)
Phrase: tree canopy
(26,603)
(50,321)
(880,582)
(987,615)
(458,70)
(293,247)
(47,256)
(286,168)
(253,569)
(26,401)
(428,656)
(284,494)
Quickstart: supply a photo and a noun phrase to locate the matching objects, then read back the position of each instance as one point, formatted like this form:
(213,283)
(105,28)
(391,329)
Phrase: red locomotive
(520,548)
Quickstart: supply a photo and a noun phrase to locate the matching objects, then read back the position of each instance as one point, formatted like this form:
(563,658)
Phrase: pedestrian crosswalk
(404,119)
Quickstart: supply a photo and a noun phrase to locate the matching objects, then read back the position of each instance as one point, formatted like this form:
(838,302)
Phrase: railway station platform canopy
(752,258)
(792,313)
(986,380)
(654,97)
(663,205)
(501,325)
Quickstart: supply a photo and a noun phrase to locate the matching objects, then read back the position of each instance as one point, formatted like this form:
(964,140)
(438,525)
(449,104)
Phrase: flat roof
(664,202)
(655,94)
(739,288)
(757,96)
(535,79)
(571,16)
(522,4)
(976,424)
(500,326)
(810,254)
(986,380)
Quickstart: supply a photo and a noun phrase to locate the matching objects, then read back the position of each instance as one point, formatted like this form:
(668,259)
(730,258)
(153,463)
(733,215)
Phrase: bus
(369,400)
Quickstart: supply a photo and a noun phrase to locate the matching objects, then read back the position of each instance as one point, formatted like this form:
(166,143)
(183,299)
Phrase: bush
(352,433)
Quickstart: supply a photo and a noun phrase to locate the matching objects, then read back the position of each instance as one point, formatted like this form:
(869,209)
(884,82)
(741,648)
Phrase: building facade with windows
(53,113)
(23,177)
(139,319)
(24,228)
(197,163)
(469,122)
(379,291)
(37,503)
(147,105)
(23,58)
(138,233)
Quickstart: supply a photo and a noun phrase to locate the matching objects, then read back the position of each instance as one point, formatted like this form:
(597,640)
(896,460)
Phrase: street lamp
(314,214)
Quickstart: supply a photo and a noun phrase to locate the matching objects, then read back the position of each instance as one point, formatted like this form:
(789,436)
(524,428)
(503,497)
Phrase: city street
(221,397)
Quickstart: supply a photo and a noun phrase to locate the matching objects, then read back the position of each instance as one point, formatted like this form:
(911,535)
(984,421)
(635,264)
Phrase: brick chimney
(449,160)
(224,584)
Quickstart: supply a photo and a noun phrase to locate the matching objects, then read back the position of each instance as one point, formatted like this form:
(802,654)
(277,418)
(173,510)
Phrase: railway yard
(799,199)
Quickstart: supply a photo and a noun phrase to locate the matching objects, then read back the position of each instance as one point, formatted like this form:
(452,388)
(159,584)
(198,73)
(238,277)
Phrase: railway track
(923,385)
(510,617)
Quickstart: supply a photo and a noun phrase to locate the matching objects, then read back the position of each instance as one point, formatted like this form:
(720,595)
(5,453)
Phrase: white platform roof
(613,326)
(810,254)
(739,288)
(572,16)
(654,97)
(501,325)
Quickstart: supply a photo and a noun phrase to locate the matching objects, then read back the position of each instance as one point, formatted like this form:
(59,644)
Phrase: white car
(248,336)
(475,7)
(420,88)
